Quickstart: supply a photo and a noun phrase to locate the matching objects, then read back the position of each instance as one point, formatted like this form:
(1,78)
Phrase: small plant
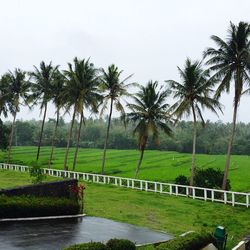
(78,191)
(36,174)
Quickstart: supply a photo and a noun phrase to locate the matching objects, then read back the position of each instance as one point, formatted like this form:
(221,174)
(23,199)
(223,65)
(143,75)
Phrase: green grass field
(157,165)
(159,212)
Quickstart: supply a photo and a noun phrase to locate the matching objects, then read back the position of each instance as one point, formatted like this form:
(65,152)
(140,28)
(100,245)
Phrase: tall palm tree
(149,114)
(43,78)
(81,92)
(114,89)
(19,88)
(193,94)
(231,63)
(57,87)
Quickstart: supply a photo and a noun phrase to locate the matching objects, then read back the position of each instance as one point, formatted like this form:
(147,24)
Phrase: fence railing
(206,194)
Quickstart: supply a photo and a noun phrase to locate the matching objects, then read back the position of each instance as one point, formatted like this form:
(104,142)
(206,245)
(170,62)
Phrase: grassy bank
(157,165)
(160,212)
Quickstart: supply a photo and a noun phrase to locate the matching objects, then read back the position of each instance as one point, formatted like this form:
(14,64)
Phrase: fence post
(193,191)
(225,197)
(160,187)
(247,200)
(146,186)
(205,194)
(141,185)
(133,184)
(170,189)
(233,199)
(212,195)
(128,183)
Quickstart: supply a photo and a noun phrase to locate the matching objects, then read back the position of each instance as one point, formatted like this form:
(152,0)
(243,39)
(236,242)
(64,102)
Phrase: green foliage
(192,241)
(88,246)
(181,180)
(4,135)
(210,178)
(120,244)
(30,206)
(36,173)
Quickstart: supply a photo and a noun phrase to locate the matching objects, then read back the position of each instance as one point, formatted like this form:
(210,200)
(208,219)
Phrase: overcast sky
(146,37)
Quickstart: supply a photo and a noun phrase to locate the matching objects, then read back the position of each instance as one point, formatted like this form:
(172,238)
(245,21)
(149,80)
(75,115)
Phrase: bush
(192,241)
(88,246)
(181,180)
(120,244)
(210,178)
(36,173)
(30,206)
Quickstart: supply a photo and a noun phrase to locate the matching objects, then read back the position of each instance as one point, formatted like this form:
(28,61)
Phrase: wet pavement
(59,233)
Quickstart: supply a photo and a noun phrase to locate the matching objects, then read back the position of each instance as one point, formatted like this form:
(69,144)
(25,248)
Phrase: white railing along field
(207,194)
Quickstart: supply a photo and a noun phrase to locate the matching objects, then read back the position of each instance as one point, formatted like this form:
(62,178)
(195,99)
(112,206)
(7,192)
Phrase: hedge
(88,246)
(31,206)
(192,241)
(113,244)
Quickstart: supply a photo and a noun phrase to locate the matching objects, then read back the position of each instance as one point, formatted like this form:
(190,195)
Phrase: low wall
(60,189)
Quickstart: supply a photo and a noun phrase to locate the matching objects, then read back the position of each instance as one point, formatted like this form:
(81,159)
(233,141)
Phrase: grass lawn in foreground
(159,212)
(157,165)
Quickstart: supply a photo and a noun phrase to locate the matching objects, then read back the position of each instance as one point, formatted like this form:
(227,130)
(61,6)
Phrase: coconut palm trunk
(230,144)
(41,133)
(107,136)
(53,138)
(77,142)
(69,138)
(11,136)
(142,149)
(193,168)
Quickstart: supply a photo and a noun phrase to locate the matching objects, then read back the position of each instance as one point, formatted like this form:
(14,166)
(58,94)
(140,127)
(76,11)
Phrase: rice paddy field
(157,165)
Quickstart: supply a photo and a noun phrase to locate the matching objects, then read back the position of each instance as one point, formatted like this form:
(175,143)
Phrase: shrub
(192,241)
(36,173)
(88,246)
(181,180)
(30,206)
(210,178)
(120,244)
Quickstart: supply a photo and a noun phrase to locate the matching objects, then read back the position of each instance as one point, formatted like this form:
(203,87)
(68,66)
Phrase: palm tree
(6,103)
(193,94)
(18,89)
(81,92)
(114,90)
(149,113)
(43,78)
(58,85)
(231,64)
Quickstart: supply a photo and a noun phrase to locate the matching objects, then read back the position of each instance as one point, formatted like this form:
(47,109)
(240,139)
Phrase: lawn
(160,212)
(157,165)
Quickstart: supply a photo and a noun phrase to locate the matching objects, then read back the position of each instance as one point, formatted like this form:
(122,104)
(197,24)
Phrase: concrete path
(56,234)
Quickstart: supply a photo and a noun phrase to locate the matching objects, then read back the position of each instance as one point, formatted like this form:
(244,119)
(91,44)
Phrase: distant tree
(6,99)
(114,89)
(81,92)
(231,63)
(19,88)
(193,94)
(149,115)
(43,78)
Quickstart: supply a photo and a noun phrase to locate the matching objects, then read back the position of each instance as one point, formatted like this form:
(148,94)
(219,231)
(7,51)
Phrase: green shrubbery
(192,241)
(113,244)
(30,206)
(207,178)
(120,244)
(88,246)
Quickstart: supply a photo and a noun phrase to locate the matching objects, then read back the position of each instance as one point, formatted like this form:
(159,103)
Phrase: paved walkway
(56,234)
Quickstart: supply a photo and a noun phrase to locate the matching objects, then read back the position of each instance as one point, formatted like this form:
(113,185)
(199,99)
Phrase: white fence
(214,195)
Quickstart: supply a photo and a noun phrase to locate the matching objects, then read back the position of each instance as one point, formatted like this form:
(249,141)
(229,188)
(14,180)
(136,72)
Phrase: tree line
(211,139)
(82,87)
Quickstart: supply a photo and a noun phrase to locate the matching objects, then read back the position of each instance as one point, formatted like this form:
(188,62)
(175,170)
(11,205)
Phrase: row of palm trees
(83,87)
